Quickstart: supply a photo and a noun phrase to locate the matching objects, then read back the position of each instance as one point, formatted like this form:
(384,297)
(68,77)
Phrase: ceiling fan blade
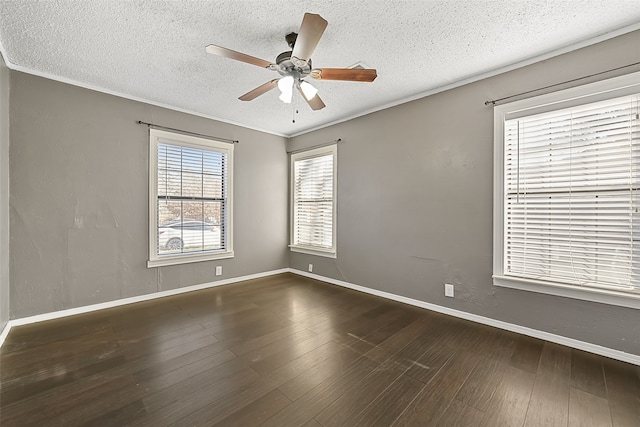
(253,94)
(315,103)
(349,74)
(232,54)
(311,30)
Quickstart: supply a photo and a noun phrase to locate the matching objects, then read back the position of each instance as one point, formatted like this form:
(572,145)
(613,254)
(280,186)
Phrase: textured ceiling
(155,50)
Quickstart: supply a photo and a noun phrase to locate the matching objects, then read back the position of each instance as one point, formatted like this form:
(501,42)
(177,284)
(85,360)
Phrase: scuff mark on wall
(92,211)
(425,258)
(32,248)
(23,222)
(342,275)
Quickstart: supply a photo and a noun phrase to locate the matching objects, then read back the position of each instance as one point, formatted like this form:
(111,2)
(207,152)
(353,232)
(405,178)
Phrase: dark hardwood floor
(289,351)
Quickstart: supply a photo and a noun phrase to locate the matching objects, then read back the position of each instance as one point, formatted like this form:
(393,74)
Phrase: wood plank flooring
(290,351)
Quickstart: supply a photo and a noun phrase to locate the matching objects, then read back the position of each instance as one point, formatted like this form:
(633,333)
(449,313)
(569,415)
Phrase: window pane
(169,238)
(212,186)
(169,183)
(192,229)
(192,184)
(214,231)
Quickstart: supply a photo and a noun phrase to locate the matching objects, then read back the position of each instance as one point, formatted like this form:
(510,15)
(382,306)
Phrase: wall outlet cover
(448,290)
(310,268)
(218,270)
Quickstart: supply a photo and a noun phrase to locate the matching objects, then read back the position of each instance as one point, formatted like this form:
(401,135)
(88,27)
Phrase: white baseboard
(558,339)
(4,333)
(131,300)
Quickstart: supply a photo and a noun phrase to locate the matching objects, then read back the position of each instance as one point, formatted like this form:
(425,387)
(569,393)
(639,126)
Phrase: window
(190,188)
(567,193)
(313,201)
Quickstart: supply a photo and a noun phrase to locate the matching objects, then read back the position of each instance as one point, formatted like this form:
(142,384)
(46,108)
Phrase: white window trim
(308,251)
(321,151)
(198,143)
(611,88)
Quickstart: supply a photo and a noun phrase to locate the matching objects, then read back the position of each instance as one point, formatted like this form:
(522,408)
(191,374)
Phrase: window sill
(187,258)
(308,251)
(602,296)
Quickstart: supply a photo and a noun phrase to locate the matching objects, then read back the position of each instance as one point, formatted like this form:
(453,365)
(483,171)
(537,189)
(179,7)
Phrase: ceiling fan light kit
(308,90)
(285,85)
(295,65)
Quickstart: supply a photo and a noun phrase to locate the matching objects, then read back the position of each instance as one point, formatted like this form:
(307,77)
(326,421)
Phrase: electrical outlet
(310,268)
(448,290)
(218,270)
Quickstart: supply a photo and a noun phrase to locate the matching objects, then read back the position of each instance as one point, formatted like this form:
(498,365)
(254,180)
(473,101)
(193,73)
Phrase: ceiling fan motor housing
(289,65)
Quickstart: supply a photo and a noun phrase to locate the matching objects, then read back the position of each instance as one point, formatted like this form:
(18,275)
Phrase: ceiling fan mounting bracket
(291,39)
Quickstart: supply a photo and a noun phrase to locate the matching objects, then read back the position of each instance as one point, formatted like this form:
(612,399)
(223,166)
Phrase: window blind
(571,204)
(191,199)
(313,202)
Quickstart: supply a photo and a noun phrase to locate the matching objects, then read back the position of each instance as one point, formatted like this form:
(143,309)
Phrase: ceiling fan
(295,65)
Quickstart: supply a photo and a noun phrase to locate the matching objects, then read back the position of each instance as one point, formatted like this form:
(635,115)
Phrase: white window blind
(190,199)
(313,201)
(571,182)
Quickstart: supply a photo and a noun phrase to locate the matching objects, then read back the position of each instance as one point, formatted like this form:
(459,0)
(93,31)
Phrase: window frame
(179,139)
(304,155)
(585,94)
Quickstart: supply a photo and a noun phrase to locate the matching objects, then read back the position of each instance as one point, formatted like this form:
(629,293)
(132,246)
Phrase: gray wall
(4,194)
(79,199)
(415,202)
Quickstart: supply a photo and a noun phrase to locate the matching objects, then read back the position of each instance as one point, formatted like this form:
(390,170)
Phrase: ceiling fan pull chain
(294,110)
